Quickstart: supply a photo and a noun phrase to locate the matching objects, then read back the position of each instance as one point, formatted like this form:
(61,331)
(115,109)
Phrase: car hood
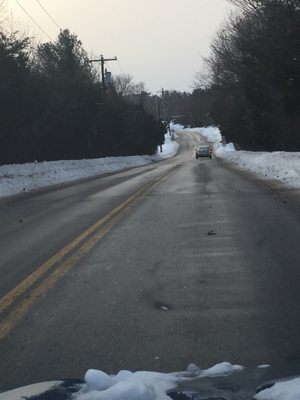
(244,384)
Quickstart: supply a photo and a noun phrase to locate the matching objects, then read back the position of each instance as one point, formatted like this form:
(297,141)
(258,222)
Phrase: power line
(41,29)
(121,67)
(44,9)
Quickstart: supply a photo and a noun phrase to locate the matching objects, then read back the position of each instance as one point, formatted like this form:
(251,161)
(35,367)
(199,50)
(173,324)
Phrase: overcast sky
(159,42)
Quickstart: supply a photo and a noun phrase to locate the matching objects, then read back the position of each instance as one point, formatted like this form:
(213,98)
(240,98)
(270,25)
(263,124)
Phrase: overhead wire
(52,19)
(121,67)
(33,20)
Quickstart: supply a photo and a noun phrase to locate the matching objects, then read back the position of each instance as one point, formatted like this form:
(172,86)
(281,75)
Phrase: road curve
(152,268)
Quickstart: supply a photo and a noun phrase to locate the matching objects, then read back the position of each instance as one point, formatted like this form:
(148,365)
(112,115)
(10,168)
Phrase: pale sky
(158,42)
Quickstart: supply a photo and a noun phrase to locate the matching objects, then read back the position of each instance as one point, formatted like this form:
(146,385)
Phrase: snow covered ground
(17,178)
(280,166)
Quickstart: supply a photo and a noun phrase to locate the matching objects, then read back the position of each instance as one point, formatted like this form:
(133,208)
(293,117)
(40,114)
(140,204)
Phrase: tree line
(251,84)
(51,103)
(253,80)
(52,106)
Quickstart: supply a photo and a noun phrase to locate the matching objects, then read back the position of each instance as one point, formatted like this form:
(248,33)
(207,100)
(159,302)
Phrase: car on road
(203,151)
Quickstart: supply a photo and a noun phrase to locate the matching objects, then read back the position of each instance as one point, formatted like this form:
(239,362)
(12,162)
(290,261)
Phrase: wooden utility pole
(102,61)
(158,108)
(163,103)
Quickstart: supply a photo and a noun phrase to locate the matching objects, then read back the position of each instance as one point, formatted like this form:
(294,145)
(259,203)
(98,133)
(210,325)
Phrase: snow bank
(16,178)
(280,166)
(176,127)
(170,148)
(211,134)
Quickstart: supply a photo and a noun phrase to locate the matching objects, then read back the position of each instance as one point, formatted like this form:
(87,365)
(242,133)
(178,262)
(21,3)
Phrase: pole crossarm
(104,59)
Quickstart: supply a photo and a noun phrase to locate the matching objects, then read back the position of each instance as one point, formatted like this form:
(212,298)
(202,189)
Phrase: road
(149,269)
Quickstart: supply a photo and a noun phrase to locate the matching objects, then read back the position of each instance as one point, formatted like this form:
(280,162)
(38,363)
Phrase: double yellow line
(43,278)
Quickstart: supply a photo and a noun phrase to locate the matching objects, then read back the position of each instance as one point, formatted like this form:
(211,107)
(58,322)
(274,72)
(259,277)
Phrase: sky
(158,42)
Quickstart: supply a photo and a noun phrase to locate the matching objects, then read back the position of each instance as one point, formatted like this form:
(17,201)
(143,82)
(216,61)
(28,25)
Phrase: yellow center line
(105,224)
(17,291)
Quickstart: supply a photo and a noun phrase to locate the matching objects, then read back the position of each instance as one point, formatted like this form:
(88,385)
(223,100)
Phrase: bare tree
(138,88)
(255,74)
(124,85)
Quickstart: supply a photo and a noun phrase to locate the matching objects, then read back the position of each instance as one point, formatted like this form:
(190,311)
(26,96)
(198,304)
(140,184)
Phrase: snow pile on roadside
(211,134)
(176,127)
(144,385)
(170,148)
(224,149)
(281,166)
(17,178)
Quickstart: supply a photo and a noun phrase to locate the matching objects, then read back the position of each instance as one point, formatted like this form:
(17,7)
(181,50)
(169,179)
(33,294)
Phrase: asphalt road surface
(149,269)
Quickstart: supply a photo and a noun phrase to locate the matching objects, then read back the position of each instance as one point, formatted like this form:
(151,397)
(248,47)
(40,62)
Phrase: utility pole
(163,105)
(102,61)
(158,108)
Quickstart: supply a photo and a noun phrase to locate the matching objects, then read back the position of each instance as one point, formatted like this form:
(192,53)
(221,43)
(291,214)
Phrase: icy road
(149,269)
